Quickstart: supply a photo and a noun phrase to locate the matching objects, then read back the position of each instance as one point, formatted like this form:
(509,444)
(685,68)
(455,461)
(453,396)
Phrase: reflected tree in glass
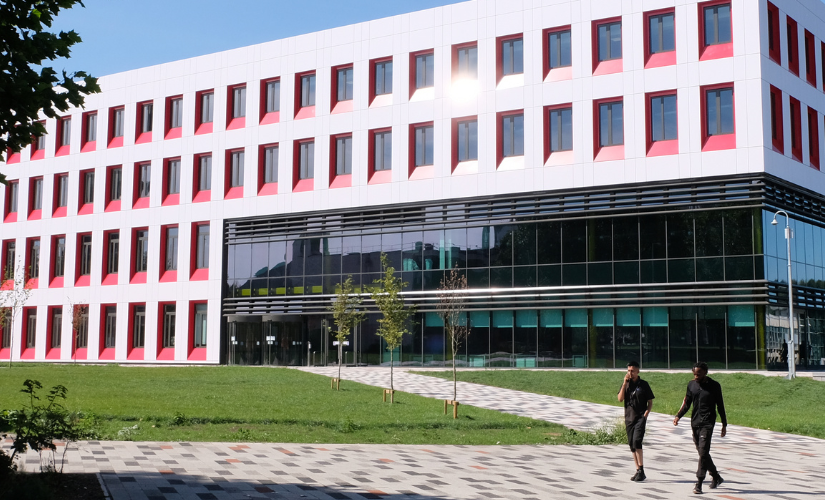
(452,302)
(347,314)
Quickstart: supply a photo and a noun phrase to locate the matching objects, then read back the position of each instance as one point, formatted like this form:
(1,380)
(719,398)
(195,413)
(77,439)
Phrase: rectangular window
(345,84)
(57,327)
(610,41)
(138,326)
(512,128)
(236,178)
(34,259)
(559,53)
(468,140)
(13,190)
(719,112)
(144,179)
(810,58)
(663,118)
(793,47)
(59,269)
(238,102)
(343,155)
(561,130)
(424,70)
(88,187)
(9,264)
(82,340)
(176,113)
(37,194)
(91,127)
(173,177)
(146,111)
(171,260)
(468,63)
(207,106)
(31,328)
(6,328)
(62,198)
(717,24)
(273,96)
(141,251)
(271,164)
(383,77)
(813,137)
(200,325)
(113,253)
(383,151)
(611,124)
(662,34)
(115,183)
(117,123)
(308,90)
(796,128)
(424,137)
(205,173)
(168,326)
(202,247)
(512,56)
(774,50)
(65,131)
(777,128)
(306,167)
(86,255)
(110,330)
(40,143)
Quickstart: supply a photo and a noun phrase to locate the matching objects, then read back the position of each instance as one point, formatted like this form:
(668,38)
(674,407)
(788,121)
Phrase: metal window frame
(85,255)
(239,101)
(116,184)
(465,126)
(382,66)
(512,52)
(57,327)
(273,96)
(271,164)
(237,160)
(91,127)
(173,177)
(558,35)
(207,105)
(113,252)
(422,151)
(62,190)
(171,248)
(200,337)
(348,75)
(202,247)
(117,118)
(139,326)
(205,178)
(609,56)
(169,325)
(65,131)
(176,113)
(378,159)
(59,268)
(146,112)
(110,327)
(141,250)
(343,148)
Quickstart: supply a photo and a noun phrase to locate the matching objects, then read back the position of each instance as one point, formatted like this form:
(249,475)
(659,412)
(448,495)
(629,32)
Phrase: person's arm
(685,407)
(720,406)
(624,387)
(649,407)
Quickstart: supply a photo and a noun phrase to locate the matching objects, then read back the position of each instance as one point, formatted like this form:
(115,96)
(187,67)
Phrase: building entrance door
(283,340)
(244,340)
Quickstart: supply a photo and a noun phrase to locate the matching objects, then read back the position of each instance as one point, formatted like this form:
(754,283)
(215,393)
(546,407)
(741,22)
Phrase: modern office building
(605,173)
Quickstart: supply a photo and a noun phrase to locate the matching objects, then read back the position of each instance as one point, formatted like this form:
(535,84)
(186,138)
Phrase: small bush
(180,419)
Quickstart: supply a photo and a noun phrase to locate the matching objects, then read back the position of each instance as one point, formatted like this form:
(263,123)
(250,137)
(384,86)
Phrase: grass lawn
(267,405)
(750,400)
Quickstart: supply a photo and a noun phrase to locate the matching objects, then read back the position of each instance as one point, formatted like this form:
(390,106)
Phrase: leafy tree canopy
(24,92)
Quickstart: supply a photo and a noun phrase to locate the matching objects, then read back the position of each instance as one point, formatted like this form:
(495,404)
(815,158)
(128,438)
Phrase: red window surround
(167,276)
(140,201)
(8,215)
(4,271)
(108,279)
(557,74)
(500,133)
(114,142)
(58,211)
(199,195)
(813,137)
(382,176)
(500,57)
(135,276)
(229,191)
(233,123)
(335,180)
(57,281)
(776,120)
(810,58)
(194,353)
(164,353)
(413,55)
(86,279)
(12,157)
(200,127)
(718,51)
(774,45)
(606,153)
(563,156)
(265,188)
(609,66)
(32,282)
(136,353)
(717,142)
(196,274)
(336,106)
(103,352)
(383,99)
(51,352)
(454,57)
(35,214)
(264,117)
(305,111)
(662,58)
(85,208)
(170,132)
(38,154)
(660,148)
(60,149)
(299,185)
(78,352)
(27,352)
(112,205)
(423,172)
(796,129)
(793,47)
(84,133)
(454,138)
(142,137)
(174,198)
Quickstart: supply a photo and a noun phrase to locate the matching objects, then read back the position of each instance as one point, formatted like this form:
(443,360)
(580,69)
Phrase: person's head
(633,369)
(700,371)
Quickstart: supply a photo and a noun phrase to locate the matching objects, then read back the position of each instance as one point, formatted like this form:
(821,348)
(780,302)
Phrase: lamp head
(773,222)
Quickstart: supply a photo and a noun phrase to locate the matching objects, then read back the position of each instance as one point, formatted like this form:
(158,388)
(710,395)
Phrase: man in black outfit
(638,400)
(705,394)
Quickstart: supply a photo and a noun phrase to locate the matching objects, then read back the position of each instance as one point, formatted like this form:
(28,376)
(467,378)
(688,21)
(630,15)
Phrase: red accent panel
(426,172)
(174,133)
(662,58)
(141,203)
(203,128)
(144,138)
(7,285)
(81,352)
(194,353)
(774,53)
(56,282)
(62,151)
(88,146)
(793,47)
(200,275)
(113,206)
(372,97)
(268,189)
(236,123)
(717,142)
(304,185)
(796,124)
(412,67)
(659,148)
(116,142)
(341,181)
(85,145)
(305,112)
(35,215)
(38,155)
(167,354)
(813,137)
(607,153)
(59,212)
(233,193)
(708,52)
(663,148)
(33,283)
(110,279)
(342,107)
(604,67)
(273,117)
(610,153)
(810,58)
(113,142)
(381,176)
(202,196)
(6,353)
(138,278)
(12,157)
(83,281)
(170,200)
(778,142)
(12,217)
(26,353)
(135,353)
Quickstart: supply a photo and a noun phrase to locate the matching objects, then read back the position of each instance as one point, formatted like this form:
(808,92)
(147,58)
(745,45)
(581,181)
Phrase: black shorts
(635,432)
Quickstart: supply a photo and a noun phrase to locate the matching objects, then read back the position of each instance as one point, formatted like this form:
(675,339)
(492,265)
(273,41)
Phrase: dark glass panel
(628,335)
(243,261)
(738,268)
(600,273)
(681,270)
(524,276)
(242,288)
(295,285)
(332,255)
(455,247)
(260,259)
(524,338)
(738,232)
(708,234)
(653,271)
(313,285)
(434,341)
(351,261)
(277,286)
(501,277)
(432,249)
(549,242)
(550,338)
(501,250)
(478,245)
(654,337)
(679,236)
(277,258)
(601,338)
(574,338)
(601,240)
(478,342)
(742,338)
(709,269)
(625,238)
(391,245)
(414,280)
(626,273)
(295,258)
(652,236)
(682,337)
(501,339)
(314,259)
(412,251)
(574,240)
(371,253)
(524,245)
(574,274)
(260,287)
(710,335)
(432,279)
(549,275)
(478,278)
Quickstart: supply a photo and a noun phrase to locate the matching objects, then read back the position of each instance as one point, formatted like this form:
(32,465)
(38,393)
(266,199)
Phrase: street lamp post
(791,349)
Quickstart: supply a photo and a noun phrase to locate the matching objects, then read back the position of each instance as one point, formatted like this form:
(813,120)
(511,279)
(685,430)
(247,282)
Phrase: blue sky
(119,35)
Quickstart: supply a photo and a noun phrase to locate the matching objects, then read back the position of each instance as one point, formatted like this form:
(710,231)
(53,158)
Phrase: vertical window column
(379,163)
(88,137)
(60,200)
(202,178)
(236,107)
(199,249)
(171,181)
(197,331)
(303,171)
(83,259)
(609,133)
(558,57)
(108,331)
(422,150)
(660,38)
(662,124)
(204,111)
(380,81)
(145,122)
(718,123)
(607,46)
(64,136)
(340,165)
(558,141)
(270,101)
(234,174)
(715,36)
(167,331)
(174,117)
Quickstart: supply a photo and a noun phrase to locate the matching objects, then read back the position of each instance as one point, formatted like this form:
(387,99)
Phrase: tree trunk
(452,342)
(11,337)
(391,367)
(340,350)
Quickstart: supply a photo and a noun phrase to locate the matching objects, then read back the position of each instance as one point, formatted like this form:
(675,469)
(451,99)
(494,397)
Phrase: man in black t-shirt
(638,400)
(705,394)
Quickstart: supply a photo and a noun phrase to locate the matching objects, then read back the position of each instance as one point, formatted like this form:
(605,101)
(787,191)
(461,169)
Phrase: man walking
(638,400)
(705,394)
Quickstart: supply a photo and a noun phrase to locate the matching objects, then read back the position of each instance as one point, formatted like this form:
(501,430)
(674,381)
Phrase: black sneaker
(716,482)
(697,489)
(634,476)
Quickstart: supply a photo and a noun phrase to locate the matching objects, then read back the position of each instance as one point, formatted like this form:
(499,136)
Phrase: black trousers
(635,432)
(701,438)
